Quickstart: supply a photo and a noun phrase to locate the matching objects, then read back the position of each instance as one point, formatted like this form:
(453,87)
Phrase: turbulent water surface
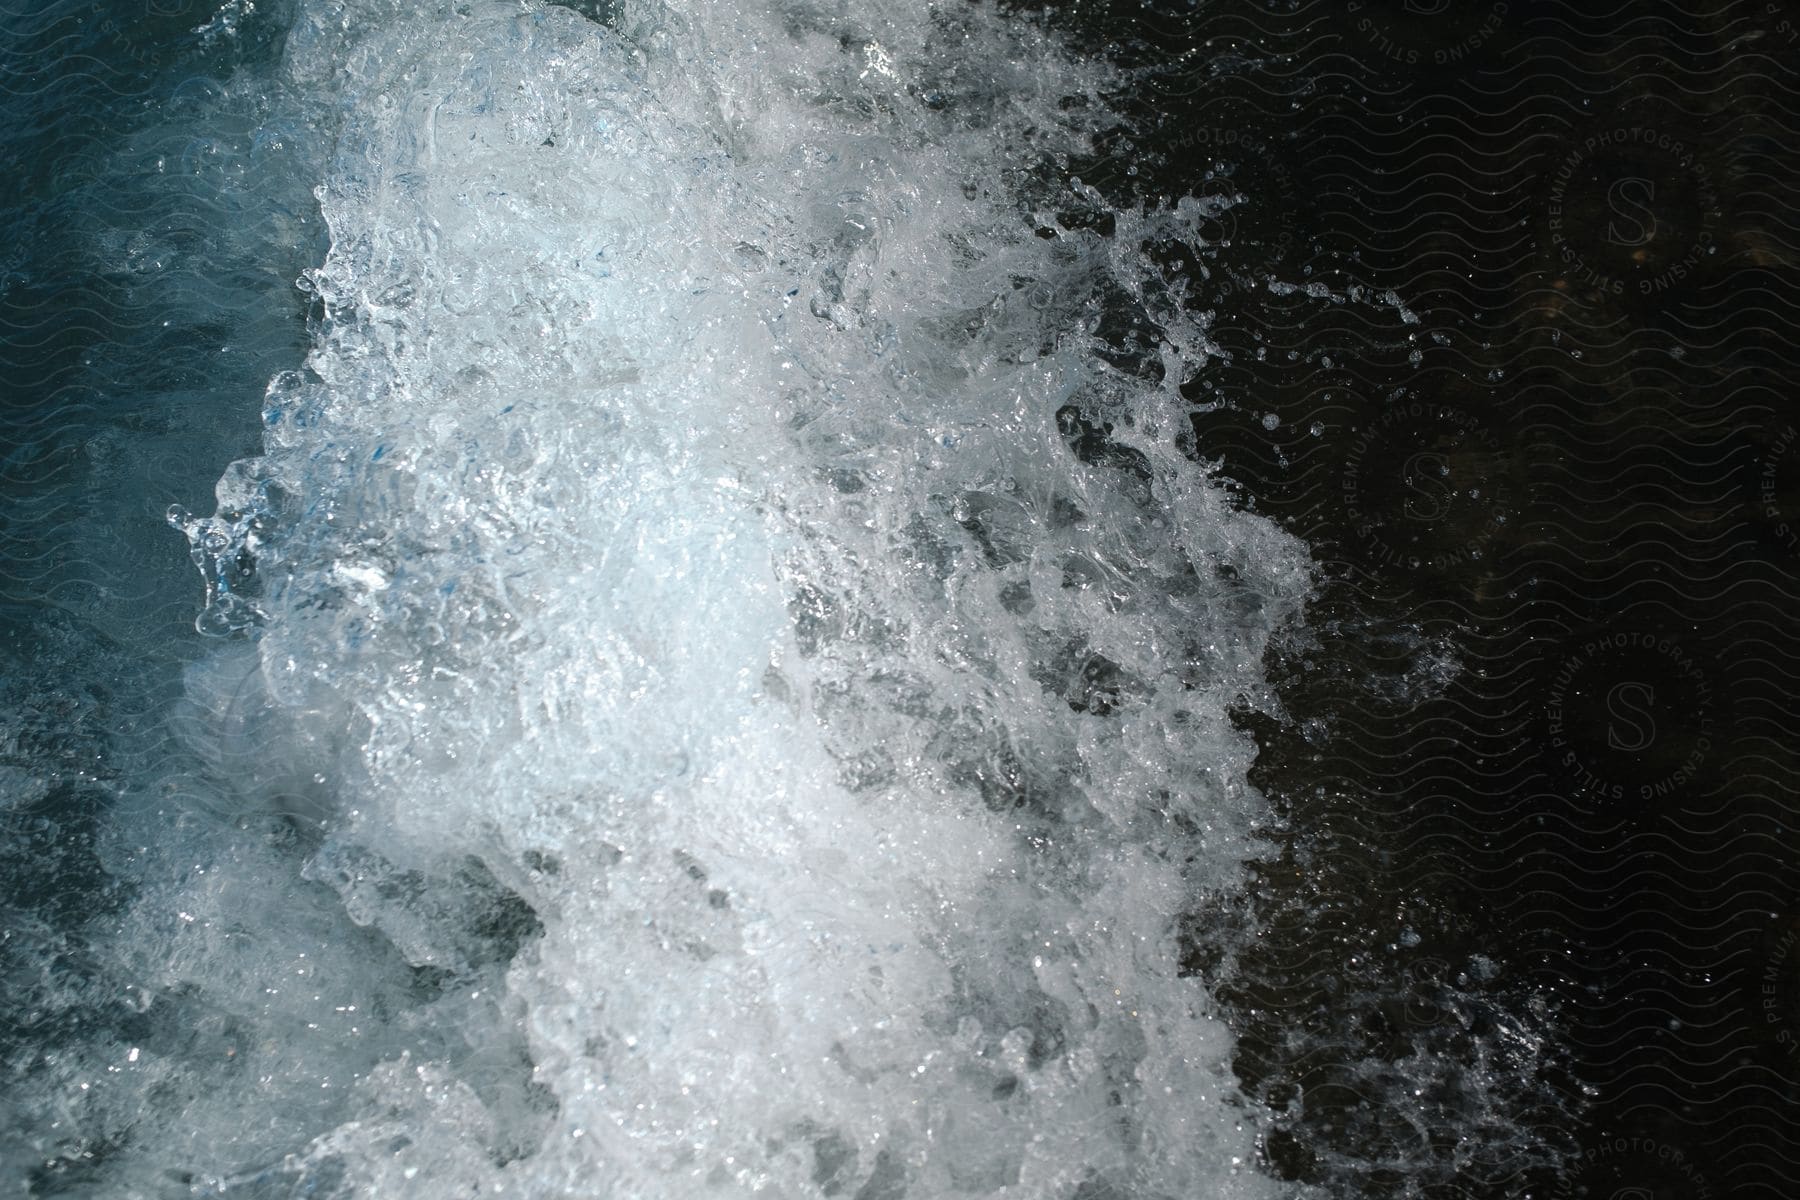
(718,682)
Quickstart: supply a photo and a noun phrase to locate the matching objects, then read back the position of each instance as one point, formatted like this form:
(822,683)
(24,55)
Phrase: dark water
(1539,759)
(133,346)
(1524,388)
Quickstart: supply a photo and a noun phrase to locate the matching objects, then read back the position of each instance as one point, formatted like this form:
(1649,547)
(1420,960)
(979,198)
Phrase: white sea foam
(760,752)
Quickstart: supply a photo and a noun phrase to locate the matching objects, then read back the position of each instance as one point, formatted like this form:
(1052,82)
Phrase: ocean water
(712,676)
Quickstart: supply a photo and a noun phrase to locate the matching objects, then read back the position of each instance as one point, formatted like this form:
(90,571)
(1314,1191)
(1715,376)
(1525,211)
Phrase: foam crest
(760,672)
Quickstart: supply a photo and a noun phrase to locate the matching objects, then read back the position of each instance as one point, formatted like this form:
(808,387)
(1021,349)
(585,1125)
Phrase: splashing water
(730,681)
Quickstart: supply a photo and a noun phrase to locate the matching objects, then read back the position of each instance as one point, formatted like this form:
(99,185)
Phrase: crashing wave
(744,675)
